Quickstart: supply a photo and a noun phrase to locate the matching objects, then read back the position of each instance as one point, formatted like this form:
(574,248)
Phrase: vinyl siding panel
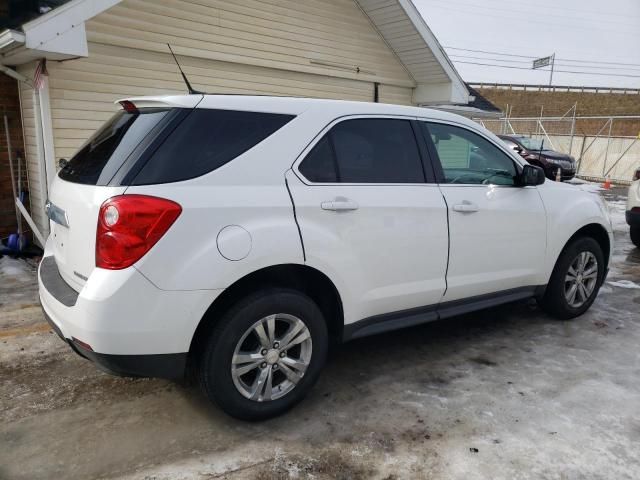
(397,95)
(83,91)
(290,34)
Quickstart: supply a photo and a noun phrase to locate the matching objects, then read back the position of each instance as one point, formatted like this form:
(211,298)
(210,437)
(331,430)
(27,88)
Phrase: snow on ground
(504,393)
(17,284)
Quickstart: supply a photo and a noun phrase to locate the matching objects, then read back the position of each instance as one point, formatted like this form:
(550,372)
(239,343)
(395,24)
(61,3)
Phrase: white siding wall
(309,48)
(83,91)
(288,34)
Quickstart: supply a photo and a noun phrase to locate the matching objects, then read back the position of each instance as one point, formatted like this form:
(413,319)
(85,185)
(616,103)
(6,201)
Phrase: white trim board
(60,31)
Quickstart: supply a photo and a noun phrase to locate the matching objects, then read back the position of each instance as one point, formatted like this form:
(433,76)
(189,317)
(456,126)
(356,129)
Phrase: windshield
(531,143)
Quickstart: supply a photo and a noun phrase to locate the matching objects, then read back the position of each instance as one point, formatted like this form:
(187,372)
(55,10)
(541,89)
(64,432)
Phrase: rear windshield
(154,146)
(206,140)
(105,152)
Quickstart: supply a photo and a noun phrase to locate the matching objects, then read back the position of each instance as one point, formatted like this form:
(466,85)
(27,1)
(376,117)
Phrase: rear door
(369,216)
(497,229)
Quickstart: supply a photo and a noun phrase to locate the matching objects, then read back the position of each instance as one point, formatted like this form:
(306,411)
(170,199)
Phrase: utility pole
(553,61)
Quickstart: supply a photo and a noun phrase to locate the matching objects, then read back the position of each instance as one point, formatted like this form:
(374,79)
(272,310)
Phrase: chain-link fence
(604,147)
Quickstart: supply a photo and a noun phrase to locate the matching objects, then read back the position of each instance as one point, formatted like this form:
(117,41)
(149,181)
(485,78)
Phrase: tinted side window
(206,140)
(320,165)
(104,153)
(470,159)
(377,150)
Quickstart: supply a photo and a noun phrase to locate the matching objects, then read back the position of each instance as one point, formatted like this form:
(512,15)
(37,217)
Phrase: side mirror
(62,163)
(517,149)
(531,176)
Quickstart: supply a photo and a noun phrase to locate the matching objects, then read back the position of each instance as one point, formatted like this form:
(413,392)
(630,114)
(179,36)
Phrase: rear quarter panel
(250,192)
(187,256)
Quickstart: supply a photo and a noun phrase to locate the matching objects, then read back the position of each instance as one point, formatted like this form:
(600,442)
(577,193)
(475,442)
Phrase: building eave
(56,35)
(406,33)
(459,91)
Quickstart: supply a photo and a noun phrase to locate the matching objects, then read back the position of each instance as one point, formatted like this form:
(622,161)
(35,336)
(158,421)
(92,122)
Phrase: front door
(497,229)
(369,218)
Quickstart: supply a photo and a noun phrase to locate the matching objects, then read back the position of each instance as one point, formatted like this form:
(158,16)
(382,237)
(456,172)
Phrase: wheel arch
(593,230)
(598,233)
(299,277)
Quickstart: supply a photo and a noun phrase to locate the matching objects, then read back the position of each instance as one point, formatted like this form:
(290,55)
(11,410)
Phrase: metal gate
(603,146)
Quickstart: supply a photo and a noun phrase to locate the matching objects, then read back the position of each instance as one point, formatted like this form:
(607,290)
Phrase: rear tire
(635,235)
(253,335)
(573,287)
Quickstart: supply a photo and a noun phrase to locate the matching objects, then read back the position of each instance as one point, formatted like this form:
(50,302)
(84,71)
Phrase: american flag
(39,74)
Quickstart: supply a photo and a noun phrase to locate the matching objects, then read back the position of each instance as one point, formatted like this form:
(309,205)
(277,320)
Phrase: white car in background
(240,235)
(632,213)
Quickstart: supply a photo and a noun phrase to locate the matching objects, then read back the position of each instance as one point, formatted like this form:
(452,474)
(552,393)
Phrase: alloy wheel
(581,279)
(271,357)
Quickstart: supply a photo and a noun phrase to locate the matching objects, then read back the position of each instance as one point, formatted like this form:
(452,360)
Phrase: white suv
(632,213)
(240,235)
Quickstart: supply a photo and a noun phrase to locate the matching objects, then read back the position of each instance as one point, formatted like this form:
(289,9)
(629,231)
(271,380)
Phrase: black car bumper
(565,173)
(170,366)
(633,217)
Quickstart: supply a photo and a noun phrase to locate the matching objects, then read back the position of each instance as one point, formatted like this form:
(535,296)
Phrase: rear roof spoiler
(175,101)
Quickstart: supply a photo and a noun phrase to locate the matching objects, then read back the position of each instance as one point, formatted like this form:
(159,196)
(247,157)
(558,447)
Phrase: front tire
(264,355)
(635,235)
(576,279)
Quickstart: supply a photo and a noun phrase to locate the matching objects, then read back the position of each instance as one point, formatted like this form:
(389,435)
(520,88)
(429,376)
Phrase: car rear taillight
(636,176)
(129,225)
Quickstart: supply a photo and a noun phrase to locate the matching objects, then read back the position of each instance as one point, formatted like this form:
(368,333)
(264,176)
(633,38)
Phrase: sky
(593,36)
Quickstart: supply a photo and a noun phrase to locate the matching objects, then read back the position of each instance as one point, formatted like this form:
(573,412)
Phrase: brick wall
(528,103)
(9,104)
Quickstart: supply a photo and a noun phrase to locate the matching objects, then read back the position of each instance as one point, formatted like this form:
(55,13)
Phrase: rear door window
(320,165)
(206,140)
(366,150)
(105,152)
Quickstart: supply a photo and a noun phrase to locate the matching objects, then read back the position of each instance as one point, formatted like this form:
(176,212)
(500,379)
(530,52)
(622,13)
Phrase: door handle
(466,207)
(339,205)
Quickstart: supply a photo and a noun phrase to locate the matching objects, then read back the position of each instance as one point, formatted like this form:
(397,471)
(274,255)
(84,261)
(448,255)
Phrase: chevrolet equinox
(236,237)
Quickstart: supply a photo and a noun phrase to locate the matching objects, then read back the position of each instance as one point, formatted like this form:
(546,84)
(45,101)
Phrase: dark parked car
(535,153)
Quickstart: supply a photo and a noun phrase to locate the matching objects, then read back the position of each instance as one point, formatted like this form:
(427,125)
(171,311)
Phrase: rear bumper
(633,218)
(122,322)
(170,365)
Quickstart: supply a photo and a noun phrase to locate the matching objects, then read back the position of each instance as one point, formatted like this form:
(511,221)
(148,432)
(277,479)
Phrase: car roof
(295,106)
